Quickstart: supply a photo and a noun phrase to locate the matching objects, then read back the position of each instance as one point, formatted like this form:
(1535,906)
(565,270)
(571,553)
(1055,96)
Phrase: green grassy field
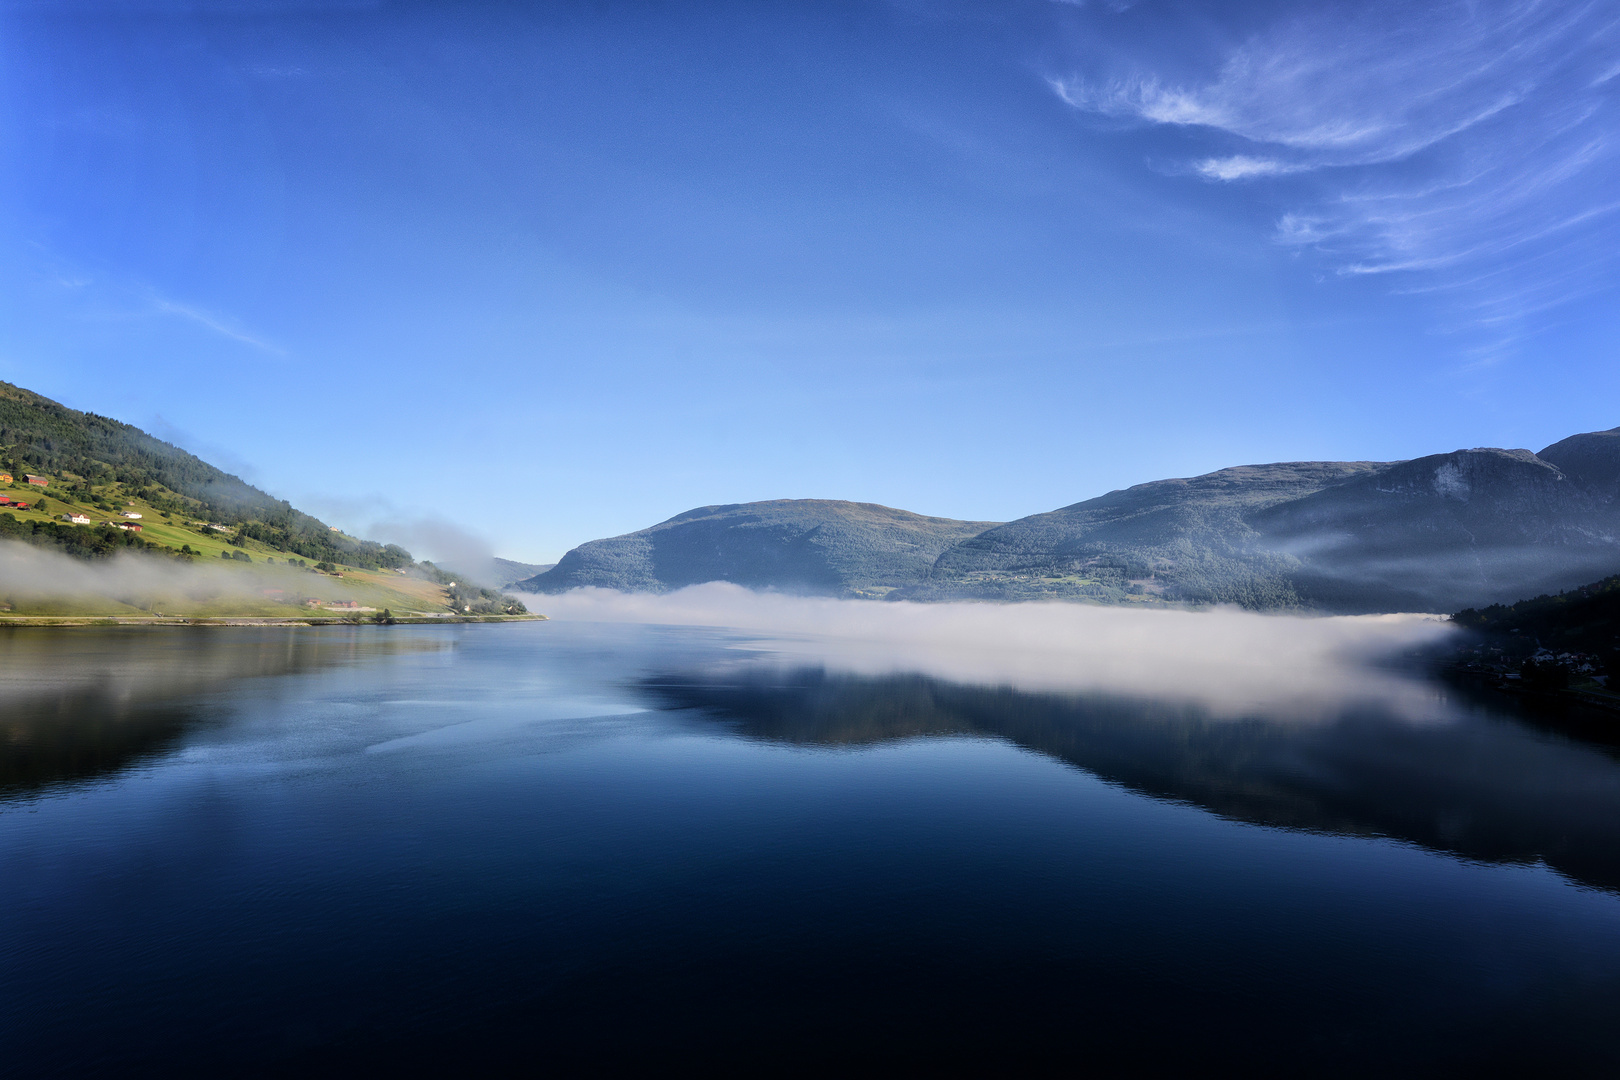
(271,586)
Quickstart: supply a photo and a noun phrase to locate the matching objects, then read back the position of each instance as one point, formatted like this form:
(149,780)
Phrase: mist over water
(723,825)
(1229,661)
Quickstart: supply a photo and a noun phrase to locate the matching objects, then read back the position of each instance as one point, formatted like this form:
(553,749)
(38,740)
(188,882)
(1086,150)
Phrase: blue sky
(578,267)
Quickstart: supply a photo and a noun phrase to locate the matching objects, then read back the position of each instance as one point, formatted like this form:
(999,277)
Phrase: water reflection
(1481,786)
(1230,662)
(87,703)
(362,847)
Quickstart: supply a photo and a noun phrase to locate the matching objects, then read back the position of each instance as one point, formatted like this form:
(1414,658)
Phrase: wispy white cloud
(1116,6)
(1242,167)
(108,296)
(1475,143)
(216,323)
(1375,87)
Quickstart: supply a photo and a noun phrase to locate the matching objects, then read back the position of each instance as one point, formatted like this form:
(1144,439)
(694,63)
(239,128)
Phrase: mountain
(90,460)
(1440,533)
(815,546)
(90,487)
(1591,460)
(1437,533)
(1450,531)
(1185,539)
(508,571)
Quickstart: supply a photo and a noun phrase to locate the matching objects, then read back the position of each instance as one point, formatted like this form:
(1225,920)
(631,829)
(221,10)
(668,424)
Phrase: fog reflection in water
(765,833)
(1228,662)
(1295,721)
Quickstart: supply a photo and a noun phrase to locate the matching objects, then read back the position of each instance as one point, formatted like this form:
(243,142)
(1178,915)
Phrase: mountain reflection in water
(86,703)
(1480,785)
(573,845)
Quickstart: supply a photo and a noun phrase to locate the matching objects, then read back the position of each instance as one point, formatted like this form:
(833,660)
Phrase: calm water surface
(575,846)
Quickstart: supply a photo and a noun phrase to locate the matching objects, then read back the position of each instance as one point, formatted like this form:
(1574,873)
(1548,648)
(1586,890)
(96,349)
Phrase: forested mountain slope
(90,460)
(1585,619)
(90,487)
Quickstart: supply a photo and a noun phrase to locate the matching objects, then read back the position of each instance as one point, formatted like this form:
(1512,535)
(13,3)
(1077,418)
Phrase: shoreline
(72,621)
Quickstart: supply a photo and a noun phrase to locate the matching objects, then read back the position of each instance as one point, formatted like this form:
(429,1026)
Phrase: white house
(77,519)
(132,515)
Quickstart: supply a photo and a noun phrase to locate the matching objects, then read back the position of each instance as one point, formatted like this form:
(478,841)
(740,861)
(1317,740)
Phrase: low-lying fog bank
(30,574)
(1231,661)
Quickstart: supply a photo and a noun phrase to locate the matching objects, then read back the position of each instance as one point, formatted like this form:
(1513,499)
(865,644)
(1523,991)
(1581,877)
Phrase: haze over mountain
(1438,533)
(507,571)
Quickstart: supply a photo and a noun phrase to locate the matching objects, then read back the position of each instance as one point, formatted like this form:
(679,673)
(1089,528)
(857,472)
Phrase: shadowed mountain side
(1586,619)
(1484,788)
(1449,531)
(1184,539)
(815,546)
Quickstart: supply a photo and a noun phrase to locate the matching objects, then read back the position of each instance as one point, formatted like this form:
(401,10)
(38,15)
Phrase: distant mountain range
(1439,533)
(816,546)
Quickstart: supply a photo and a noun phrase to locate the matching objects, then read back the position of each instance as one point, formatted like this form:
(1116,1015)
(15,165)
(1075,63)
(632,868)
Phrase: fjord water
(579,844)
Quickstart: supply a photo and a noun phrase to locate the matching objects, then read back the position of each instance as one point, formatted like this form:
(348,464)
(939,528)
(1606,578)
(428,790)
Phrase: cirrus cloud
(1471,148)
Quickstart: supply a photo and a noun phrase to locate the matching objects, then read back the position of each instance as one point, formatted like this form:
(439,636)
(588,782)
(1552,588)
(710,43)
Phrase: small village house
(37,481)
(5,478)
(129,528)
(129,514)
(77,519)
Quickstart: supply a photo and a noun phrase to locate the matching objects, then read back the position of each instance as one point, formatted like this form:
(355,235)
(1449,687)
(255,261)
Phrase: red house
(37,481)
